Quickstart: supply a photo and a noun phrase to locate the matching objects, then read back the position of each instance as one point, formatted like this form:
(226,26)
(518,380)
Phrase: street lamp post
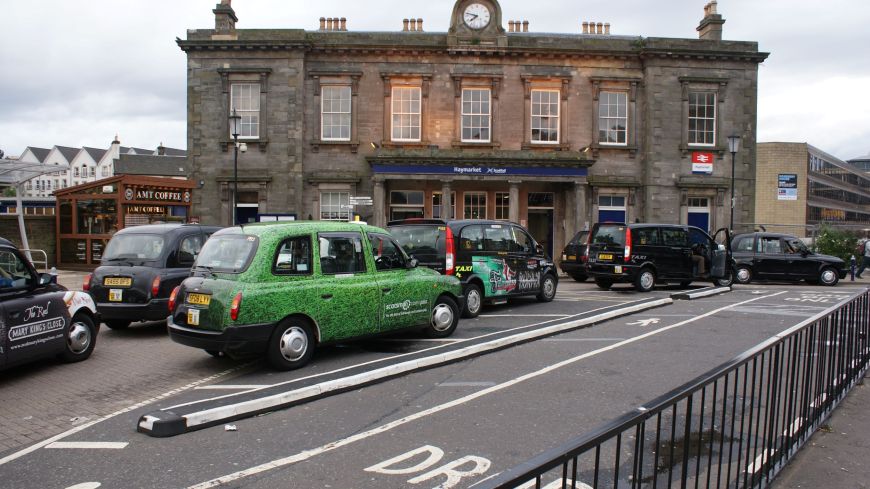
(733,147)
(235,119)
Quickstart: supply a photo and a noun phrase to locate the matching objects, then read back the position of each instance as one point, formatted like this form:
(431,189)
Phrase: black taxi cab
(140,267)
(38,317)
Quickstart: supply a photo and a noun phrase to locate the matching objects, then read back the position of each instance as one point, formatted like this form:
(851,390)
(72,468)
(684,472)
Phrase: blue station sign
(480,170)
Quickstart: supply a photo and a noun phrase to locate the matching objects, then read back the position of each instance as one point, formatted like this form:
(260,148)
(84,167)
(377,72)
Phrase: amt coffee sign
(156,195)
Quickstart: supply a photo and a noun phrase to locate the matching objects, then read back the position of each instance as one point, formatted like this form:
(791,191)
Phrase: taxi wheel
(744,275)
(117,323)
(445,317)
(548,289)
(81,336)
(291,345)
(726,281)
(829,276)
(645,280)
(473,301)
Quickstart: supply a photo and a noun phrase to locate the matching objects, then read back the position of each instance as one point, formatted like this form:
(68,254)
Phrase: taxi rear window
(227,253)
(609,235)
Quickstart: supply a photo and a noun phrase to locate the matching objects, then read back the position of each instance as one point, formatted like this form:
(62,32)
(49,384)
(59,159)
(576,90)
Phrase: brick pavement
(46,398)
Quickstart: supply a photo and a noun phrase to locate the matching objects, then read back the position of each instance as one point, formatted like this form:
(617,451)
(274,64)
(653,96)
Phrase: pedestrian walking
(865,258)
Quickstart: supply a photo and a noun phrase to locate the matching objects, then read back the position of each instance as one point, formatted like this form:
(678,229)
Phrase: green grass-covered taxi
(281,289)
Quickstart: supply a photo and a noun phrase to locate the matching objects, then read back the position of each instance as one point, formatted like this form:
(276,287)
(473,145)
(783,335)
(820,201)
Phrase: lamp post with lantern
(733,148)
(235,122)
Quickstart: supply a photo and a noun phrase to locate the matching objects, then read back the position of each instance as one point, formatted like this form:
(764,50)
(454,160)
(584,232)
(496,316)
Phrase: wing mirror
(539,249)
(412,263)
(46,278)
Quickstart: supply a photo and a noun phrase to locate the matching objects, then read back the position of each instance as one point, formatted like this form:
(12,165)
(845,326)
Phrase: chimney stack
(525,26)
(585,27)
(420,25)
(323,23)
(161,150)
(404,25)
(224,21)
(711,25)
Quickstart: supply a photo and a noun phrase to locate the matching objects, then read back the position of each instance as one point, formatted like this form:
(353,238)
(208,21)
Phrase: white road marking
(86,485)
(759,462)
(307,454)
(523,315)
(217,387)
(419,340)
(583,339)
(629,304)
(48,441)
(466,384)
(795,427)
(88,445)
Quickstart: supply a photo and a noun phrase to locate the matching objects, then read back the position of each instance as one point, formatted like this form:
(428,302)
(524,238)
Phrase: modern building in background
(487,120)
(82,165)
(862,163)
(799,187)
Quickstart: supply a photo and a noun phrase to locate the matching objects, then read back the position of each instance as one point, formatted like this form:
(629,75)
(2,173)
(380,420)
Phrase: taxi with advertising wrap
(282,289)
(38,317)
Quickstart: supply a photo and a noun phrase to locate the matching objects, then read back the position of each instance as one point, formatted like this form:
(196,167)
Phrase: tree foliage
(836,242)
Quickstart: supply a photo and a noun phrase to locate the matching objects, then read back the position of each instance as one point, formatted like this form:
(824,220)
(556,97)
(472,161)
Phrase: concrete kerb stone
(697,294)
(154,424)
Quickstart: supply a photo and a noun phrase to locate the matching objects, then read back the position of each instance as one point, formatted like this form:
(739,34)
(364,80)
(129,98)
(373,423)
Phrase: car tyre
(81,337)
(117,323)
(291,345)
(444,318)
(473,301)
(579,277)
(743,275)
(829,277)
(603,283)
(645,280)
(726,281)
(548,289)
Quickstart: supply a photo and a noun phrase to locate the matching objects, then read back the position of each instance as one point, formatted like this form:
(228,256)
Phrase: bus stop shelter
(14,173)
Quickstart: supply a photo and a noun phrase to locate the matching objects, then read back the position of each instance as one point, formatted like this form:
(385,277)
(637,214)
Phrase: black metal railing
(733,427)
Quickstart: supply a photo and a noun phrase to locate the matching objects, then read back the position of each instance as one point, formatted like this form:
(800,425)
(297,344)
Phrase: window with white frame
(245,100)
(545,116)
(502,205)
(702,118)
(476,115)
(93,171)
(613,118)
(76,171)
(334,206)
(475,205)
(406,111)
(105,171)
(436,206)
(335,107)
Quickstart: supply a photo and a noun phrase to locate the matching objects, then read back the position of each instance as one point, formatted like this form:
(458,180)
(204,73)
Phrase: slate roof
(156,166)
(67,152)
(96,153)
(174,152)
(140,151)
(40,153)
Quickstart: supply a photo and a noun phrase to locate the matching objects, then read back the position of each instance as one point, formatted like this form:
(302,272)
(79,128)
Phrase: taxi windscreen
(134,246)
(229,253)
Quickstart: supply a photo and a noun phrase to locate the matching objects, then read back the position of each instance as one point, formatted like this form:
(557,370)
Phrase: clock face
(476,16)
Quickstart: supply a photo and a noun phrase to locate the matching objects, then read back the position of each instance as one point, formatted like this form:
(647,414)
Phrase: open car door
(721,270)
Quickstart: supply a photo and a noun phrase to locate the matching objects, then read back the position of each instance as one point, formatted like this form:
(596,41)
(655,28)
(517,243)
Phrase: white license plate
(116,295)
(617,269)
(193,317)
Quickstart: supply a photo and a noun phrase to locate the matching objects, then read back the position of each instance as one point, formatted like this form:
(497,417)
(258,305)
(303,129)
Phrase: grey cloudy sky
(77,73)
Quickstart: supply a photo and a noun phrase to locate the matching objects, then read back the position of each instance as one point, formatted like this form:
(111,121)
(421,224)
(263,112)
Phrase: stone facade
(554,188)
(41,233)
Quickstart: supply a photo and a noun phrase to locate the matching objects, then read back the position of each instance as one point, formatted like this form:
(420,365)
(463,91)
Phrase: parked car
(773,256)
(647,254)
(494,260)
(140,267)
(38,317)
(282,289)
(574,257)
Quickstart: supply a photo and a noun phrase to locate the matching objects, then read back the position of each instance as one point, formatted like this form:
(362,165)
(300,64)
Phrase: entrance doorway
(699,213)
(541,206)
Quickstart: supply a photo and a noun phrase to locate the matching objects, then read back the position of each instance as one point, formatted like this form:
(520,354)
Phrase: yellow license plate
(605,256)
(118,281)
(198,299)
(193,317)
(572,257)
(116,295)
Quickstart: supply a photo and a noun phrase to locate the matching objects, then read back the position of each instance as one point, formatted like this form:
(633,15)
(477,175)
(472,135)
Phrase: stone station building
(553,131)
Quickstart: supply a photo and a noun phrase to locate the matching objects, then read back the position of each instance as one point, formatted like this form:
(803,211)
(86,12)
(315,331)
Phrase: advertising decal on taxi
(406,307)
